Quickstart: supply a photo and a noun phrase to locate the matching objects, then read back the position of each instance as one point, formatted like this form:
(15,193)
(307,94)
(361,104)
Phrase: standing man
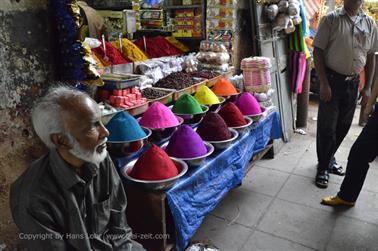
(363,151)
(345,43)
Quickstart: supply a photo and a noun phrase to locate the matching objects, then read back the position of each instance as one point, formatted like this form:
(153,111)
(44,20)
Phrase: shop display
(154,165)
(221,15)
(130,51)
(248,104)
(157,47)
(186,104)
(284,14)
(206,97)
(173,41)
(158,116)
(177,81)
(223,87)
(187,23)
(186,143)
(124,128)
(213,56)
(213,128)
(232,115)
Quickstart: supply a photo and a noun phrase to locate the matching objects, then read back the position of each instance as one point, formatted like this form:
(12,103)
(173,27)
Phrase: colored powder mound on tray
(248,104)
(213,128)
(232,115)
(206,97)
(158,116)
(186,143)
(154,164)
(124,127)
(157,47)
(186,104)
(223,87)
(130,50)
(114,57)
(176,80)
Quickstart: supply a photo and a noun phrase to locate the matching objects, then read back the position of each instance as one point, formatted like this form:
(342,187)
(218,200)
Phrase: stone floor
(278,208)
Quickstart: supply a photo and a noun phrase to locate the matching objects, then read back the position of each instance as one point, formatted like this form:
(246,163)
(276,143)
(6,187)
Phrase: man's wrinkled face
(353,4)
(88,135)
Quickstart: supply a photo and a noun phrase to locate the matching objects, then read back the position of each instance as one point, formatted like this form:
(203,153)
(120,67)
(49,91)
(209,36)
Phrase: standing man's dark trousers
(363,151)
(334,120)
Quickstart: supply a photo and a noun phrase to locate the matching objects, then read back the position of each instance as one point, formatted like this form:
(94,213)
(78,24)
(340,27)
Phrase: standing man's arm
(325,89)
(372,100)
(320,44)
(369,72)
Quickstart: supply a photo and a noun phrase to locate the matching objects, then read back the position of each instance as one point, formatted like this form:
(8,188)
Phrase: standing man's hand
(365,94)
(369,108)
(325,92)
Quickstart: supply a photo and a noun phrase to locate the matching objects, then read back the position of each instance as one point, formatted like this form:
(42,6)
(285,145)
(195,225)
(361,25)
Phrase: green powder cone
(186,104)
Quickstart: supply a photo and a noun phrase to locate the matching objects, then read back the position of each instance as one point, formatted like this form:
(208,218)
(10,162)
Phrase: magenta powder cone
(248,104)
(158,116)
(186,143)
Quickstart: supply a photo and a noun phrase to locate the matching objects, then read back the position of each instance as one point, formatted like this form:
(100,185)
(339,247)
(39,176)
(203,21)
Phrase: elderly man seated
(72,198)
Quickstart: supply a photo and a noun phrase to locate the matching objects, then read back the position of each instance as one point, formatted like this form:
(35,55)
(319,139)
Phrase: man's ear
(60,141)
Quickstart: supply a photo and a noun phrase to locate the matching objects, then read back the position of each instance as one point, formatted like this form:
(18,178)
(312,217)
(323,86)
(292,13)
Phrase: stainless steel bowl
(197,161)
(162,134)
(220,145)
(126,148)
(244,128)
(153,185)
(216,107)
(190,119)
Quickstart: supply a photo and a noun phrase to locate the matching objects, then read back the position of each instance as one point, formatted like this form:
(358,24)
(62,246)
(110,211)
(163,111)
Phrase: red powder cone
(232,115)
(213,128)
(154,164)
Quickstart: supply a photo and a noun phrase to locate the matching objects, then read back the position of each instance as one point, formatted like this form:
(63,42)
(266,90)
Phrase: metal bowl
(162,134)
(220,145)
(126,148)
(194,118)
(244,128)
(216,107)
(197,161)
(257,117)
(154,185)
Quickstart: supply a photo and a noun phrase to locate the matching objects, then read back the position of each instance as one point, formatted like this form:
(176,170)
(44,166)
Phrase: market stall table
(197,193)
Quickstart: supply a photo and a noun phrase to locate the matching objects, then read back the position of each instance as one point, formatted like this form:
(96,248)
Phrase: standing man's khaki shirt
(346,43)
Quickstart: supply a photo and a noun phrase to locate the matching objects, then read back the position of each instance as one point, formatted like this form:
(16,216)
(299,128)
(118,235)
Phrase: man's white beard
(86,155)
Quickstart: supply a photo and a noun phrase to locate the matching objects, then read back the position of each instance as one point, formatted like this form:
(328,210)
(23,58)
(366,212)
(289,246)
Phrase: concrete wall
(25,71)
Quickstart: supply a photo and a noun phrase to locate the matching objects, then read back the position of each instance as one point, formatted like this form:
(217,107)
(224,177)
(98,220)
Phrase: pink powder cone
(248,104)
(158,116)
(186,143)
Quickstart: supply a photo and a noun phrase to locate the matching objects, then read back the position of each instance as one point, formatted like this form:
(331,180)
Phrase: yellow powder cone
(206,97)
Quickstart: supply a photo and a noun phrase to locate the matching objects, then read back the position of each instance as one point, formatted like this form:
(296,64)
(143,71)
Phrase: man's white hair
(47,113)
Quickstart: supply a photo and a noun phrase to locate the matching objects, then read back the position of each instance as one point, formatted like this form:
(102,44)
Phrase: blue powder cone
(123,127)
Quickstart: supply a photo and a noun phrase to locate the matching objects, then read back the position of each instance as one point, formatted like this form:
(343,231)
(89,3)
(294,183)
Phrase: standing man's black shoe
(321,179)
(337,169)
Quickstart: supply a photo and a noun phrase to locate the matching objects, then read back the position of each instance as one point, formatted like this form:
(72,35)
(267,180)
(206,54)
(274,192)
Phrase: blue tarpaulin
(199,191)
(202,188)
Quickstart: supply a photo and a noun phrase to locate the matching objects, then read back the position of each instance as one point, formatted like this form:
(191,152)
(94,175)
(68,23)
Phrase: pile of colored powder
(130,50)
(158,116)
(206,97)
(248,104)
(186,104)
(223,87)
(232,115)
(186,143)
(157,47)
(154,164)
(113,56)
(173,41)
(124,127)
(213,128)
